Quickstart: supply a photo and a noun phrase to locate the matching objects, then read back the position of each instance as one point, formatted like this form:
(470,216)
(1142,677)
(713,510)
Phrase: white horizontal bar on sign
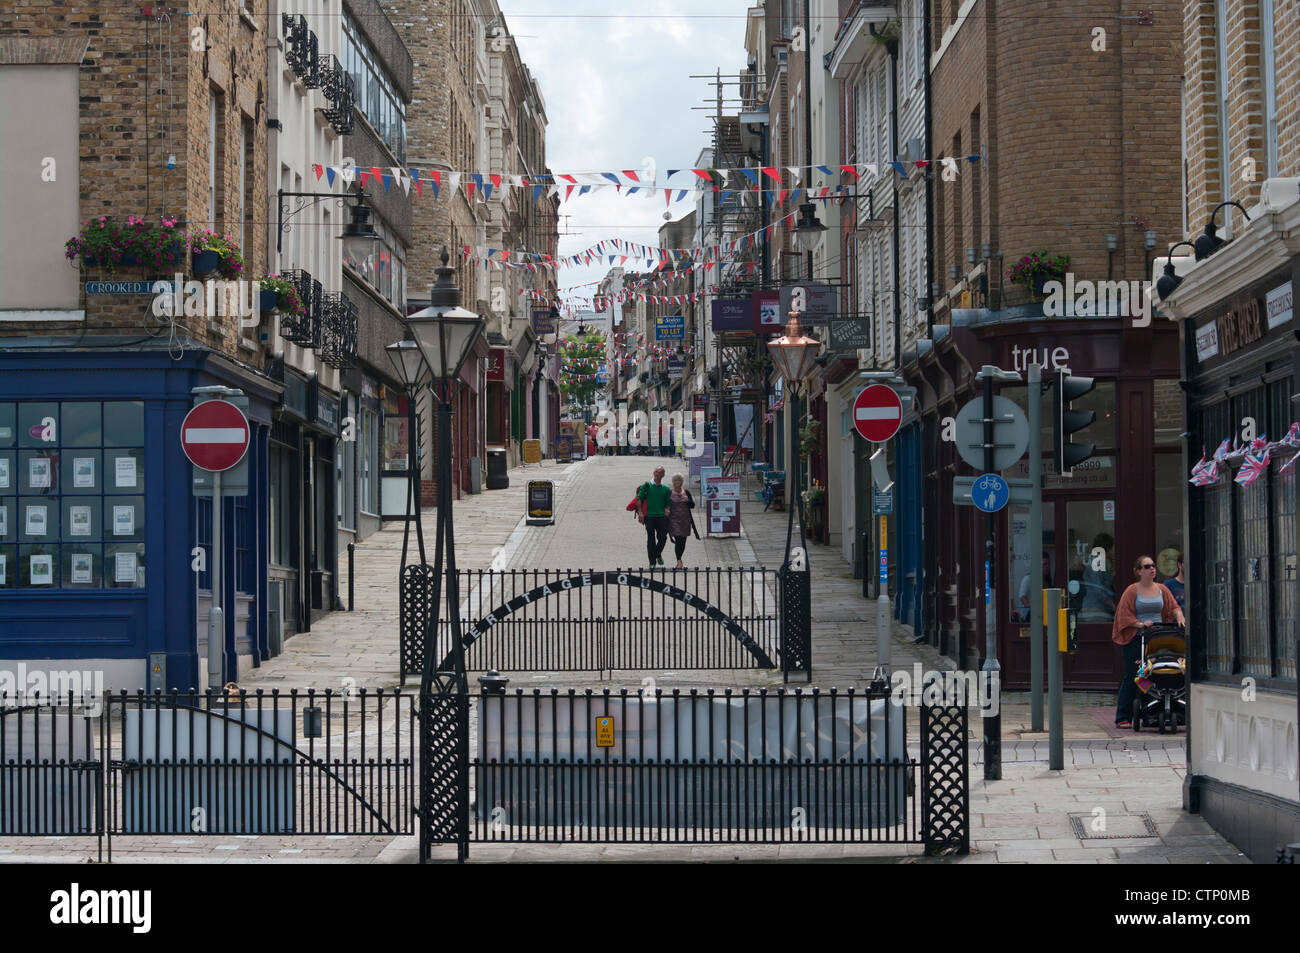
(215,435)
(878,413)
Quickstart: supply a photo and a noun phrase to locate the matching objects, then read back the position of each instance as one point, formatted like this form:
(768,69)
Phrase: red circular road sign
(877,413)
(215,435)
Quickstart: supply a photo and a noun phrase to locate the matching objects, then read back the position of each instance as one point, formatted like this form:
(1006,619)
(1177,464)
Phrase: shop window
(1090,561)
(1284,567)
(1021,585)
(1168,409)
(395,437)
(1168,512)
(71,513)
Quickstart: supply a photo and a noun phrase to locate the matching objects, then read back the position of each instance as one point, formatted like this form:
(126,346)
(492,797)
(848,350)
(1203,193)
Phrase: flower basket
(280,294)
(228,261)
(106,243)
(1036,269)
(268,300)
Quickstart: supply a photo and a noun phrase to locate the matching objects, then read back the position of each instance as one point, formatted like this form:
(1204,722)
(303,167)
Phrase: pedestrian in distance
(1142,605)
(681,522)
(1178,585)
(655,498)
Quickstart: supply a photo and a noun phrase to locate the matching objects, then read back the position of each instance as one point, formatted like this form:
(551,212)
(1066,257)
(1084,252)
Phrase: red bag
(638,506)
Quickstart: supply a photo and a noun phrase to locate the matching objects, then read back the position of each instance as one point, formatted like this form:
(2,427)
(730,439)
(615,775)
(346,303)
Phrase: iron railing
(301,49)
(291,763)
(340,95)
(338,330)
(701,767)
(530,620)
(305,328)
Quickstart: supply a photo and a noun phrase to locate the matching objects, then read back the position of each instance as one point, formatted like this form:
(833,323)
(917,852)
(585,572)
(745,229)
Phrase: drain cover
(1111,826)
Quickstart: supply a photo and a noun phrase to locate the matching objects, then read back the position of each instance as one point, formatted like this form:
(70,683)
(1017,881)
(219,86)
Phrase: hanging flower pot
(205,262)
(268,300)
(1039,281)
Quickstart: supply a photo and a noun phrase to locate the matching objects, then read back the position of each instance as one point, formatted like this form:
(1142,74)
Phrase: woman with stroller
(1142,605)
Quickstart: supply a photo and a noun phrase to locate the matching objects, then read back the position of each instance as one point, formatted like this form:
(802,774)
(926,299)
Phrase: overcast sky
(615,76)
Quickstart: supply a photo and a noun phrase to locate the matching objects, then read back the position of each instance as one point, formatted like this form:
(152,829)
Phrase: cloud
(616,79)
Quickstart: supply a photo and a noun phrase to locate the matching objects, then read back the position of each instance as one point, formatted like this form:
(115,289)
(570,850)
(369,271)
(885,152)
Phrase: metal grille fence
(714,767)
(574,620)
(299,763)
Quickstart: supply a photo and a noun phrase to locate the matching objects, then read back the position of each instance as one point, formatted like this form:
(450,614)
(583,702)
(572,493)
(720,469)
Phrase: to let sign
(214,435)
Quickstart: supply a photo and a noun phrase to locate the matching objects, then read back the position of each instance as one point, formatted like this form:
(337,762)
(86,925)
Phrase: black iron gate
(590,620)
(695,767)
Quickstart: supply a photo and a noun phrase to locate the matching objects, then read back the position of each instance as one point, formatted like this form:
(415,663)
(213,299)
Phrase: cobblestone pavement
(1095,811)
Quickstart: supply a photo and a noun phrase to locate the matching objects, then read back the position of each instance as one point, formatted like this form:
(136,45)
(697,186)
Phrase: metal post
(884,640)
(992,670)
(1055,712)
(216,623)
(1035,398)
(352,572)
(807,117)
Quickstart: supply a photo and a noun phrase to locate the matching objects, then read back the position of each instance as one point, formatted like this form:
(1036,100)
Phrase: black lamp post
(411,371)
(1208,242)
(357,235)
(1169,281)
(794,354)
(445,333)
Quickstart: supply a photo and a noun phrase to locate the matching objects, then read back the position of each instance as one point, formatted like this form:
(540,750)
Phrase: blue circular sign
(990,492)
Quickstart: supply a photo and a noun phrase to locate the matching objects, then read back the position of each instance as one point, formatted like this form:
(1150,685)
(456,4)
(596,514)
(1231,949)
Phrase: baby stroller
(1161,678)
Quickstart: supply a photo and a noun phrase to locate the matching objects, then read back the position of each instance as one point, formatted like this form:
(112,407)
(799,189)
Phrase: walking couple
(665,512)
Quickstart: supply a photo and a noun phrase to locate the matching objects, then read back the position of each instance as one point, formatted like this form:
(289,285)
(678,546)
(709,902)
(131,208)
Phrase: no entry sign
(215,435)
(877,413)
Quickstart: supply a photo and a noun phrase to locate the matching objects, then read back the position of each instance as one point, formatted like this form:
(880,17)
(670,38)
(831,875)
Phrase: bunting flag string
(1255,456)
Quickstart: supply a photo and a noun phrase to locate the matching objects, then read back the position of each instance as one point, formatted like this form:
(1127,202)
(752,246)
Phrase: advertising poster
(37,520)
(38,473)
(124,568)
(79,517)
(82,564)
(42,570)
(125,473)
(123,520)
(83,472)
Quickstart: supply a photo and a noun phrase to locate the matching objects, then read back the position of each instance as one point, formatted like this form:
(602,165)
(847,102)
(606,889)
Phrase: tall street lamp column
(446,334)
(794,354)
(412,372)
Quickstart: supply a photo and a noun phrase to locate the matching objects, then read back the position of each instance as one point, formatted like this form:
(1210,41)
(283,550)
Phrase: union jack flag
(1222,452)
(1205,475)
(1251,468)
(1292,438)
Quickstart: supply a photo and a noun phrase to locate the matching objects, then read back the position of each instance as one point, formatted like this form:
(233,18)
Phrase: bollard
(352,573)
(884,642)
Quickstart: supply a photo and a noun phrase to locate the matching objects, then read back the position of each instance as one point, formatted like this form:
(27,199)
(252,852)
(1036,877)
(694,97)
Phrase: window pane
(1284,568)
(1090,561)
(124,423)
(83,567)
(1169,413)
(80,472)
(81,520)
(8,519)
(38,566)
(1215,576)
(40,520)
(37,424)
(80,425)
(8,436)
(124,566)
(1021,594)
(8,473)
(124,518)
(8,567)
(1169,541)
(1252,576)
(124,471)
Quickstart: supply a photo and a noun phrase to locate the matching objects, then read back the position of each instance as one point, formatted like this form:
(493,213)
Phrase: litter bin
(497,477)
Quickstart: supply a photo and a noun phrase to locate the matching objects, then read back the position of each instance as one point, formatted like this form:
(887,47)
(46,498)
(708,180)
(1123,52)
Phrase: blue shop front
(99,524)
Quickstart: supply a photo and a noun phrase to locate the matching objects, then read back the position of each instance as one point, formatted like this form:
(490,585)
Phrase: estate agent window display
(72,505)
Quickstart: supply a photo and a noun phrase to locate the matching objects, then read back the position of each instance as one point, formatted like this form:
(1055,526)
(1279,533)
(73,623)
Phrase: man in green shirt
(656,497)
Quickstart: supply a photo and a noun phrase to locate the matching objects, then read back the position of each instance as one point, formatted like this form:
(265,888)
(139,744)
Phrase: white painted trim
(950,34)
(1247,743)
(42,315)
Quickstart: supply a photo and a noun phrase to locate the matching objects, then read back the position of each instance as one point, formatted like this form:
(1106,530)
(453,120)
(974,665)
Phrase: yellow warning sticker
(604,732)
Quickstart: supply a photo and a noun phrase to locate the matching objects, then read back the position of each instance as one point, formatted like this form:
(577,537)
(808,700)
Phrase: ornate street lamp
(809,230)
(412,372)
(795,354)
(445,334)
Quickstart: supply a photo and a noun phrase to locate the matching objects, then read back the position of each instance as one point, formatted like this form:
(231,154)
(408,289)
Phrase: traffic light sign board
(1065,421)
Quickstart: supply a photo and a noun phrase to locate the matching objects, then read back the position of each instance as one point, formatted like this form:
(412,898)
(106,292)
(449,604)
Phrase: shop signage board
(670,327)
(496,364)
(818,302)
(733,314)
(850,334)
(722,505)
(532,451)
(767,311)
(563,448)
(543,322)
(1278,303)
(541,503)
(703,459)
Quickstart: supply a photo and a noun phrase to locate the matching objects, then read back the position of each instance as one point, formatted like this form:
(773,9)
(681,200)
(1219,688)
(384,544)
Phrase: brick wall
(1075,141)
(1242,51)
(123,150)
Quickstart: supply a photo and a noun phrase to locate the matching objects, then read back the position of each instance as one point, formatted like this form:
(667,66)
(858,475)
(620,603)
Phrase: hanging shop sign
(815,302)
(767,310)
(670,327)
(496,364)
(849,334)
(733,314)
(543,322)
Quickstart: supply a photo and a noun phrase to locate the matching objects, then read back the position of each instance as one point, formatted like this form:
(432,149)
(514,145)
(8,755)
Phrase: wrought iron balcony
(340,95)
(338,330)
(301,49)
(304,329)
